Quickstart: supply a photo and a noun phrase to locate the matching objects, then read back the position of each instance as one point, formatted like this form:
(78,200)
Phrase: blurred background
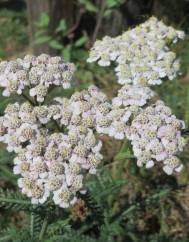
(69,28)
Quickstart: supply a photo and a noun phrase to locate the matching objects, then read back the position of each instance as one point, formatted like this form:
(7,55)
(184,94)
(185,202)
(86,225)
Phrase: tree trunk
(130,13)
(57,10)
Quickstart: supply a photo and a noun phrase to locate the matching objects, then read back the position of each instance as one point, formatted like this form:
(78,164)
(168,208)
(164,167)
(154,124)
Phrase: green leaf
(79,54)
(7,174)
(88,5)
(55,45)
(125,152)
(123,156)
(111,3)
(13,200)
(67,53)
(5,157)
(164,228)
(81,41)
(40,33)
(58,226)
(42,40)
(107,12)
(43,21)
(61,27)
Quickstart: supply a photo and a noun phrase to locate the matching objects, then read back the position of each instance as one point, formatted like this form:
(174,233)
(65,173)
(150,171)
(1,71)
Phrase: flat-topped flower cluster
(36,73)
(54,161)
(155,135)
(143,58)
(142,54)
(55,143)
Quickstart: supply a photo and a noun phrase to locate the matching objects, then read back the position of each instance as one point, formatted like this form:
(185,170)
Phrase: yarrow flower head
(142,54)
(124,108)
(35,73)
(54,161)
(57,164)
(133,95)
(83,110)
(143,59)
(155,135)
(55,144)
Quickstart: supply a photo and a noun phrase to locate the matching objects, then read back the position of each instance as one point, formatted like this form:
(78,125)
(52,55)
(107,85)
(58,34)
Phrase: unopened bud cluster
(143,59)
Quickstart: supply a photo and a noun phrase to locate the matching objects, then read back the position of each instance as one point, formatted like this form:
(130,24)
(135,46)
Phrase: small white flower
(149,164)
(39,193)
(63,197)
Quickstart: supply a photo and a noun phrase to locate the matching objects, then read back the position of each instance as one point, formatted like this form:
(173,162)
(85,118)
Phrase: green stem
(57,126)
(124,146)
(124,152)
(28,99)
(51,88)
(124,156)
(31,224)
(43,228)
(99,20)
(125,213)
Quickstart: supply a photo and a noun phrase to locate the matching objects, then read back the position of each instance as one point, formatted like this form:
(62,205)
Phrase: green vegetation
(125,202)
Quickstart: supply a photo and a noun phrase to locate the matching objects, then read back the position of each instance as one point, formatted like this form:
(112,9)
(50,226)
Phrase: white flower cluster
(83,110)
(143,59)
(91,109)
(133,95)
(57,164)
(156,136)
(124,108)
(142,54)
(54,161)
(35,73)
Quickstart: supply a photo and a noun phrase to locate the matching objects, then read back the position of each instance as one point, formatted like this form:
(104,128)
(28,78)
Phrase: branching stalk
(28,99)
(99,20)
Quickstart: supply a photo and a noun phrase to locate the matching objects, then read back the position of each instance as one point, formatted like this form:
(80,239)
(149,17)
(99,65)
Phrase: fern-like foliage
(109,214)
(13,200)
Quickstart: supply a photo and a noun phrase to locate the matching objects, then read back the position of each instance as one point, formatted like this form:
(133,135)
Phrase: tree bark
(57,10)
(130,13)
